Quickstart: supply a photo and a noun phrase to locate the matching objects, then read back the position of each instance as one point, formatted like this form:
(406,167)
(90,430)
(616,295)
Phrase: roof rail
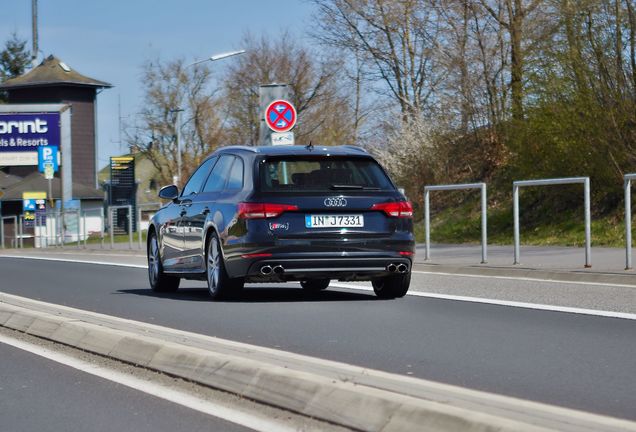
(353,147)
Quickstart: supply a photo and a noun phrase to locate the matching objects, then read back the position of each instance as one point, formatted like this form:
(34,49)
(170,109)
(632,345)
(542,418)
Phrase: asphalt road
(38,394)
(577,361)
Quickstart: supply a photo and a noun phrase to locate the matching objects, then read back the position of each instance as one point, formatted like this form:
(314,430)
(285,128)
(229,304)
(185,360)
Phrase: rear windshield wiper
(352,187)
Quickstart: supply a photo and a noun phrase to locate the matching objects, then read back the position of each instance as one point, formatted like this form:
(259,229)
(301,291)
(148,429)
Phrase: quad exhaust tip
(268,270)
(265,270)
(397,268)
(279,269)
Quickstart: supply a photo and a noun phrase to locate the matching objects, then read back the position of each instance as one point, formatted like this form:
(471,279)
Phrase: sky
(109,40)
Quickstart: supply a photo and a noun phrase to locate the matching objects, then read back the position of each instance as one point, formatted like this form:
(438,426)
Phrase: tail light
(402,209)
(263,210)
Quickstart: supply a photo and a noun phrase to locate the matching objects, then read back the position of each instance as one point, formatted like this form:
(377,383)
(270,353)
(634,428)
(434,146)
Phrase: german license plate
(334,221)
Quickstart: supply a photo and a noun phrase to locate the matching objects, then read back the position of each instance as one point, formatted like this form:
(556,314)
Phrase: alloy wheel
(214,258)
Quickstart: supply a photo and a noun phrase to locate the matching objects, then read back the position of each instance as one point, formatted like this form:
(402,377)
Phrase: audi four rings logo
(335,202)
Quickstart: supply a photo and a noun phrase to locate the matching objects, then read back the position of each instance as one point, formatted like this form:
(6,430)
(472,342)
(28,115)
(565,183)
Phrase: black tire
(315,284)
(390,287)
(220,285)
(159,281)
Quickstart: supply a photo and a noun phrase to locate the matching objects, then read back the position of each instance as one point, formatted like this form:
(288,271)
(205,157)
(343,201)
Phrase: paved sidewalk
(603,259)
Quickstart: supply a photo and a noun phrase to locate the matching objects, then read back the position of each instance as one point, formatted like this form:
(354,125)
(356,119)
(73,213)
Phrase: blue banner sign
(28,131)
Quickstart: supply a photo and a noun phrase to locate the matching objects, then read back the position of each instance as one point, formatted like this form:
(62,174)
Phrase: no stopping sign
(280,116)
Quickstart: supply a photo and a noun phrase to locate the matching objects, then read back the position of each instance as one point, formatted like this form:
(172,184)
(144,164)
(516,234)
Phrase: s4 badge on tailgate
(274,226)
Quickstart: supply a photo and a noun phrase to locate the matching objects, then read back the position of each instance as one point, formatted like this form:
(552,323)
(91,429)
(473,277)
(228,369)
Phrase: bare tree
(398,39)
(324,114)
(170,86)
(512,16)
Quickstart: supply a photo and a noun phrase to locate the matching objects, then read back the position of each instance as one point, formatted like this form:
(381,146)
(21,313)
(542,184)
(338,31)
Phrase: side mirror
(169,192)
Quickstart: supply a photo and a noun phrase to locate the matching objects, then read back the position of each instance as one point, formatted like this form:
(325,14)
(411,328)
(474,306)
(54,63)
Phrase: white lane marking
(459,275)
(537,306)
(75,260)
(255,422)
(527,279)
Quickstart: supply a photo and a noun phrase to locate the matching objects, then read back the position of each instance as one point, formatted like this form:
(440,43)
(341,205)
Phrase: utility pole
(34,29)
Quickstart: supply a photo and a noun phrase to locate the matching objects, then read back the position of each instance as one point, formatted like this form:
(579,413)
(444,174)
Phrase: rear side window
(322,174)
(235,180)
(219,174)
(194,184)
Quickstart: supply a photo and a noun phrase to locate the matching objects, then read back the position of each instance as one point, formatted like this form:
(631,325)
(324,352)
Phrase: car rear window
(322,174)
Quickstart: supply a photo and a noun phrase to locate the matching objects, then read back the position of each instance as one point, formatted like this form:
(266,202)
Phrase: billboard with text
(22,133)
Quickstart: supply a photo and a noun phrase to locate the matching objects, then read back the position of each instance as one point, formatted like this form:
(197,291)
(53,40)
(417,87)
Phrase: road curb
(341,400)
(588,276)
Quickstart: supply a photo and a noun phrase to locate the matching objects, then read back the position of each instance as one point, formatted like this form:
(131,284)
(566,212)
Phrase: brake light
(402,209)
(263,210)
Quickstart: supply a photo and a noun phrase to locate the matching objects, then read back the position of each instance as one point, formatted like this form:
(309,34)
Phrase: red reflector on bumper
(257,255)
(407,253)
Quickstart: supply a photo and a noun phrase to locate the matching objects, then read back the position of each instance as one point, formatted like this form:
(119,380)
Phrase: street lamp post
(177,179)
(216,57)
(179,110)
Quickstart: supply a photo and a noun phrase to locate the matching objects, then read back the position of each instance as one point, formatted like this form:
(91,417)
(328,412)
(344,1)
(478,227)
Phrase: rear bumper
(337,266)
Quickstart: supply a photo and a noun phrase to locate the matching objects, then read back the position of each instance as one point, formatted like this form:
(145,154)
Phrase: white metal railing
(2,231)
(130,224)
(156,205)
(100,214)
(51,228)
(547,182)
(627,186)
(484,215)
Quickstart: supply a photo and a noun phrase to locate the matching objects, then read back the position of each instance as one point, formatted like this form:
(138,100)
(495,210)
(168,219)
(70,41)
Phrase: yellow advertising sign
(33,195)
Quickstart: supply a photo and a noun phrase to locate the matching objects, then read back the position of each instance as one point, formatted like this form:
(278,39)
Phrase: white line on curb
(535,306)
(258,423)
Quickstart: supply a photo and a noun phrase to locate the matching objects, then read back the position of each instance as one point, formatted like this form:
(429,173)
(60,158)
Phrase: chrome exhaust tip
(265,270)
(279,269)
(391,268)
(402,268)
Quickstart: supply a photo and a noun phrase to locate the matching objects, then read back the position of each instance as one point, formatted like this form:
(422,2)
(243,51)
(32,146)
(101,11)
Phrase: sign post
(48,164)
(266,94)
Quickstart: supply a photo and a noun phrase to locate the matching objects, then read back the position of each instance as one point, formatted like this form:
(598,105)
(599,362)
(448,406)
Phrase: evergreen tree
(14,58)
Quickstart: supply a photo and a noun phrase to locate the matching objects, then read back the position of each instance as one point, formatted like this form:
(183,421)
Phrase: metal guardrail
(484,215)
(548,182)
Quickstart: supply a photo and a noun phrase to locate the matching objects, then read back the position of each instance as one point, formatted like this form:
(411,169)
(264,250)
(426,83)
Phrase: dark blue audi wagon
(284,213)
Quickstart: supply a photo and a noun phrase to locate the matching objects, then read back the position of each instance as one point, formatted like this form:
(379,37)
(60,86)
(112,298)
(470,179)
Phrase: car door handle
(186,203)
(205,211)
